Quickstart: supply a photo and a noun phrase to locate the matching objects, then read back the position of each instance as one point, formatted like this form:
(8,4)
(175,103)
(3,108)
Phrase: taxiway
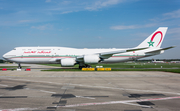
(89,91)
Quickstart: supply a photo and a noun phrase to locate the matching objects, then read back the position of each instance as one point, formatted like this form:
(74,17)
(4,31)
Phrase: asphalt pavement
(89,91)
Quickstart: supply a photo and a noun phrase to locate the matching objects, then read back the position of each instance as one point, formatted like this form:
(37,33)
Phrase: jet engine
(68,62)
(91,59)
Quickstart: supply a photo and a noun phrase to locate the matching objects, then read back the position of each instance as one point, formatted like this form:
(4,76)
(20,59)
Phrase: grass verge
(127,67)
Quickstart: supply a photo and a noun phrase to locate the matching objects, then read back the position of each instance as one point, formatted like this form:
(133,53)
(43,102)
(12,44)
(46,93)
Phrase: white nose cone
(7,55)
(4,56)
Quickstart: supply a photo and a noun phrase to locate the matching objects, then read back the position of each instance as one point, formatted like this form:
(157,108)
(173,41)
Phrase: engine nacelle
(91,59)
(68,62)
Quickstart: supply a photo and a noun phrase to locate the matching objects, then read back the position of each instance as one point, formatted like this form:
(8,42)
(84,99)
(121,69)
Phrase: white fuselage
(52,54)
(68,57)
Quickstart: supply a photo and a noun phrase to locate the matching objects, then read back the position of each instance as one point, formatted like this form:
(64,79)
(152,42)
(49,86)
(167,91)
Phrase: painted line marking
(48,92)
(85,97)
(42,91)
(123,102)
(19,109)
(3,85)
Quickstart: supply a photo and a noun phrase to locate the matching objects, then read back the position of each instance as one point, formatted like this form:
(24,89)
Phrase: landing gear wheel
(88,66)
(80,67)
(84,66)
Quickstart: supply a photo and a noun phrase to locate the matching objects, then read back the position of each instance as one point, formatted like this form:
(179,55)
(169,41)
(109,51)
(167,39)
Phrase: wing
(105,55)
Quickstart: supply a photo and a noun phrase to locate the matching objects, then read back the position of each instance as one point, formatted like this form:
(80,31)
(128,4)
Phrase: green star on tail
(150,43)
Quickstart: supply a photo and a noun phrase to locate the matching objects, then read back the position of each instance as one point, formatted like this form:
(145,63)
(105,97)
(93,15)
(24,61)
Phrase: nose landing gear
(19,66)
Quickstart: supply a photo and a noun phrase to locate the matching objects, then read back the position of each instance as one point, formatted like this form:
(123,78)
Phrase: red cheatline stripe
(71,57)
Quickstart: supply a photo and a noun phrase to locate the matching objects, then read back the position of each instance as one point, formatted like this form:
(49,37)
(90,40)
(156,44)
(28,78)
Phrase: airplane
(68,57)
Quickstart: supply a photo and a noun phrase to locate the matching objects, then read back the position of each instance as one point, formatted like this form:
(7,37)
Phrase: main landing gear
(84,66)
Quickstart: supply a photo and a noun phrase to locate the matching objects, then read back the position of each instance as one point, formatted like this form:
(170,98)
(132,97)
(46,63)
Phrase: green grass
(55,65)
(164,70)
(64,69)
(128,67)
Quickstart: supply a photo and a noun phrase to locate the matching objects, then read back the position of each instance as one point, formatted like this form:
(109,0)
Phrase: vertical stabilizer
(155,39)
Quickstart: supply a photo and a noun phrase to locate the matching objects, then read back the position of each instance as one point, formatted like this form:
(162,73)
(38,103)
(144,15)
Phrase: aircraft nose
(5,56)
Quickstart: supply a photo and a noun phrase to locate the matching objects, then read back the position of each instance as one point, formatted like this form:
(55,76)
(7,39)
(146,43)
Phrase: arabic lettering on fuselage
(37,52)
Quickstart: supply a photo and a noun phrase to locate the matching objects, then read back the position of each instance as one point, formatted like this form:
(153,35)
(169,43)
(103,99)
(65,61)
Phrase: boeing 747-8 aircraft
(85,57)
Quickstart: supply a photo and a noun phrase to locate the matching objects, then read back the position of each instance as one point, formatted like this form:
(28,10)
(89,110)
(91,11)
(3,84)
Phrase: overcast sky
(88,23)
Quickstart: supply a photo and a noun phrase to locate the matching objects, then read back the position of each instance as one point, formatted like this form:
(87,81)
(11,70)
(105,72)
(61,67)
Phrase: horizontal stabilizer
(161,49)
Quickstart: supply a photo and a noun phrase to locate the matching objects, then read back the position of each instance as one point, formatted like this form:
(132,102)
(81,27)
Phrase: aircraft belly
(116,59)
